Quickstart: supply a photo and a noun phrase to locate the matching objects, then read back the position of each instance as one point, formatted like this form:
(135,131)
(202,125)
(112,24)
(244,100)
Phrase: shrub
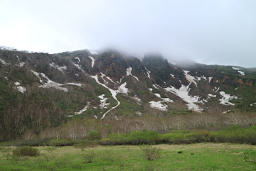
(133,138)
(26,151)
(86,144)
(151,153)
(61,142)
(94,135)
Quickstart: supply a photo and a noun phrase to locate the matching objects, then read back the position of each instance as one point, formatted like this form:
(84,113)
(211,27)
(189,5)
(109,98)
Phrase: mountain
(40,91)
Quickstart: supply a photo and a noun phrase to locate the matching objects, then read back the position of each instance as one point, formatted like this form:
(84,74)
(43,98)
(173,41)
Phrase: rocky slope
(39,90)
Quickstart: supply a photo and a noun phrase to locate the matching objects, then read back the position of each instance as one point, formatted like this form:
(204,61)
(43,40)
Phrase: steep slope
(39,90)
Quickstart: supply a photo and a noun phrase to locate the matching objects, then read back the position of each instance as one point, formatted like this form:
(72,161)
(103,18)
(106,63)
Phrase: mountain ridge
(40,90)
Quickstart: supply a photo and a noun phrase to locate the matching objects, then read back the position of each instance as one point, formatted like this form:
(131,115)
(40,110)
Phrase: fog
(205,31)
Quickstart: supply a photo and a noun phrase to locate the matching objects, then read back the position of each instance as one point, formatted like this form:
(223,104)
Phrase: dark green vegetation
(233,134)
(172,157)
(26,151)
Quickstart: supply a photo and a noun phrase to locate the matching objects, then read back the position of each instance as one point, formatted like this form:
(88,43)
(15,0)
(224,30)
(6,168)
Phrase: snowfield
(123,89)
(20,88)
(225,100)
(239,71)
(129,73)
(60,68)
(167,100)
(190,78)
(148,73)
(183,93)
(21,64)
(158,105)
(103,101)
(52,84)
(3,62)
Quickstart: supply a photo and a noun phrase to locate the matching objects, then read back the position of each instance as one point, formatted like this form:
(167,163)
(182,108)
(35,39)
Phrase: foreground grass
(203,156)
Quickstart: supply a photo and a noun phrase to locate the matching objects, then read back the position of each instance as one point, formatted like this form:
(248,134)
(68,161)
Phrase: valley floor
(202,156)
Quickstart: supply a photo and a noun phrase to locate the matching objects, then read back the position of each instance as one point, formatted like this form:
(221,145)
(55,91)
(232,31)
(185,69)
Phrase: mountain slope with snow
(81,84)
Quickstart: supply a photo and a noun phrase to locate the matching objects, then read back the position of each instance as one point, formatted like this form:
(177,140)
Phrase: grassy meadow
(201,156)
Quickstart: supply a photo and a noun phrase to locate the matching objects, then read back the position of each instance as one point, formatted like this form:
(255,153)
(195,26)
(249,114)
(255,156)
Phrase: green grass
(234,134)
(173,157)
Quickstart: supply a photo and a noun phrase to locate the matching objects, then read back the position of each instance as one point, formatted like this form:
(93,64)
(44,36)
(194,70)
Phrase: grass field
(202,156)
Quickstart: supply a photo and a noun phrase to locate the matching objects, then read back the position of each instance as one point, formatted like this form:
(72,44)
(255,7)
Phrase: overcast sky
(207,31)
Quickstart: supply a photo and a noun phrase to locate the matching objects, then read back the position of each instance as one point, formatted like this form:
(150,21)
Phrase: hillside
(39,91)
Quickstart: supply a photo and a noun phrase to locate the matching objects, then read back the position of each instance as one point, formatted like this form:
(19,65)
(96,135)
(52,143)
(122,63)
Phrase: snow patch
(216,89)
(148,73)
(211,95)
(103,101)
(21,64)
(51,84)
(17,83)
(138,113)
(82,110)
(103,75)
(37,75)
(228,111)
(252,104)
(113,93)
(78,66)
(129,73)
(156,86)
(123,89)
(78,59)
(3,62)
(75,84)
(158,105)
(183,93)
(225,100)
(173,76)
(210,79)
(21,89)
(60,68)
(136,98)
(239,71)
(190,78)
(167,100)
(93,61)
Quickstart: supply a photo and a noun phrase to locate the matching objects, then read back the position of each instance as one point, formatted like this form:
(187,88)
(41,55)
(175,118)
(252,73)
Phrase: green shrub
(94,135)
(133,138)
(26,151)
(151,153)
(61,142)
(86,144)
